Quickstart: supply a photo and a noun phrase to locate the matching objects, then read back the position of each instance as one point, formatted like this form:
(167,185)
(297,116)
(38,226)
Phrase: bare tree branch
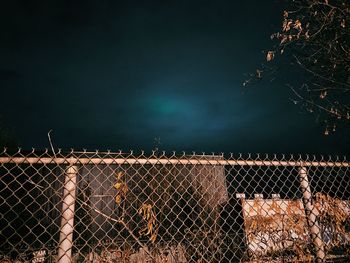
(315,40)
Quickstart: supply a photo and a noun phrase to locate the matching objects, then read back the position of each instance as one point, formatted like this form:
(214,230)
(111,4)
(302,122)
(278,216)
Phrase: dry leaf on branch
(270,55)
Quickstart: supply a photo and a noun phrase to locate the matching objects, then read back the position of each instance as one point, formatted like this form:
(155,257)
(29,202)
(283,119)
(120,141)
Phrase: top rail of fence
(119,158)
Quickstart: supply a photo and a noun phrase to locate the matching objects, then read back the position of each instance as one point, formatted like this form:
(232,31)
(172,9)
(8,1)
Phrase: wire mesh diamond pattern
(134,208)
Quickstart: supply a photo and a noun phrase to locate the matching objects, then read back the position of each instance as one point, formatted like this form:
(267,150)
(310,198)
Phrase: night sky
(112,75)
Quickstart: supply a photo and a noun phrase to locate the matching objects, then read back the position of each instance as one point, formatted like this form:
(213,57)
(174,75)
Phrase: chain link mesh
(128,207)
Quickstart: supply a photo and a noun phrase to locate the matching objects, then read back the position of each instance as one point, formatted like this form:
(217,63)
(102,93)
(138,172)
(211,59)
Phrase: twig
(315,104)
(53,150)
(35,184)
(318,75)
(119,221)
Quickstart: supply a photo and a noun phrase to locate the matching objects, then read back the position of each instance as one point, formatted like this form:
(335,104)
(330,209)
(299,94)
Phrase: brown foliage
(314,37)
(275,232)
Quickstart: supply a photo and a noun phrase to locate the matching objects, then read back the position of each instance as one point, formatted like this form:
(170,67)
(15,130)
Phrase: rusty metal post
(67,219)
(311,213)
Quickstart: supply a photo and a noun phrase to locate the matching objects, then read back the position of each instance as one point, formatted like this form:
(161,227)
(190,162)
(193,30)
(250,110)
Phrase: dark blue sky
(110,75)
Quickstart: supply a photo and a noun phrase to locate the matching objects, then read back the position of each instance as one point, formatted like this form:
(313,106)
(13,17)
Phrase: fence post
(314,227)
(67,219)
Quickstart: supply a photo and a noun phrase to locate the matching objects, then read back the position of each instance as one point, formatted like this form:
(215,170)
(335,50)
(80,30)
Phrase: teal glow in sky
(171,105)
(112,74)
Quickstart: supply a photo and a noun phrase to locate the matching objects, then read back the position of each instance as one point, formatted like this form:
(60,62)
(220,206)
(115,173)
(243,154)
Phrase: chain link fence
(128,207)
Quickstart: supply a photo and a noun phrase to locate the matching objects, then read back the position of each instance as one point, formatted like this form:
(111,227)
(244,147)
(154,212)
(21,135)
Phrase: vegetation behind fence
(127,207)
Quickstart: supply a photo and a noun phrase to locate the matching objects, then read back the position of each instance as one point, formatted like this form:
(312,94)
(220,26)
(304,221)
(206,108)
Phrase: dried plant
(314,42)
(334,219)
(274,232)
(151,228)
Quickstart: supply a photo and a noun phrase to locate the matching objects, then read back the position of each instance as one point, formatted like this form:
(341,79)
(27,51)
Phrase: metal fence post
(67,219)
(314,227)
